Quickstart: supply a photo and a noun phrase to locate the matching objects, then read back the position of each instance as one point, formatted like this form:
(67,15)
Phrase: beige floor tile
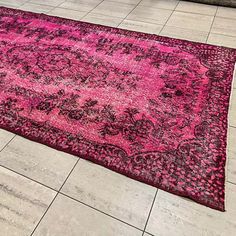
(48,2)
(232,111)
(232,95)
(231,139)
(147,234)
(224,26)
(150,15)
(110,192)
(231,155)
(234,79)
(222,40)
(80,5)
(5,5)
(181,33)
(36,8)
(85,1)
(67,217)
(22,203)
(102,19)
(13,3)
(141,26)
(170,4)
(190,21)
(174,215)
(232,115)
(196,8)
(231,173)
(227,12)
(5,137)
(67,13)
(39,162)
(113,9)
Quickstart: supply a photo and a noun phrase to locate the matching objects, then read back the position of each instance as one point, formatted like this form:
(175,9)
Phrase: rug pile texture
(149,107)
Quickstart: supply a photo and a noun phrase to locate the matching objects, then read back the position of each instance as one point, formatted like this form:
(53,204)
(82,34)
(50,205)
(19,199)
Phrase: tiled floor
(44,192)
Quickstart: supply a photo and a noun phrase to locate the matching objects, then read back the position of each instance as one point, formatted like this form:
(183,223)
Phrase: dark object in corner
(226,3)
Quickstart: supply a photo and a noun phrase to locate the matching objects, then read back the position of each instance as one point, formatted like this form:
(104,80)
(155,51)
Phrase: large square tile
(5,137)
(196,8)
(190,21)
(141,26)
(174,215)
(227,12)
(150,15)
(182,33)
(114,9)
(39,162)
(110,192)
(170,4)
(48,2)
(36,8)
(67,13)
(67,217)
(22,203)
(222,40)
(231,170)
(102,19)
(224,26)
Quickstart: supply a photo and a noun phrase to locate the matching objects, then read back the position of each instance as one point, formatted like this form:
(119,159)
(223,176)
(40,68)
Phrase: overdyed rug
(149,107)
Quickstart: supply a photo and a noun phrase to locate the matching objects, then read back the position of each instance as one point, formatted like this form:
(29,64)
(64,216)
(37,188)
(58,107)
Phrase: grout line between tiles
(59,192)
(8,142)
(64,194)
(212,24)
(149,234)
(169,18)
(163,8)
(54,198)
(28,178)
(154,199)
(53,7)
(92,9)
(195,13)
(123,2)
(129,14)
(44,214)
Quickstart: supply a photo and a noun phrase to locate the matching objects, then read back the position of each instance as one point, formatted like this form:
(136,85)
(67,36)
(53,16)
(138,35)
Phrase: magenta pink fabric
(149,107)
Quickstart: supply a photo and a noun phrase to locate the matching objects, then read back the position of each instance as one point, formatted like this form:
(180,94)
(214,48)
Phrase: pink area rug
(149,107)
